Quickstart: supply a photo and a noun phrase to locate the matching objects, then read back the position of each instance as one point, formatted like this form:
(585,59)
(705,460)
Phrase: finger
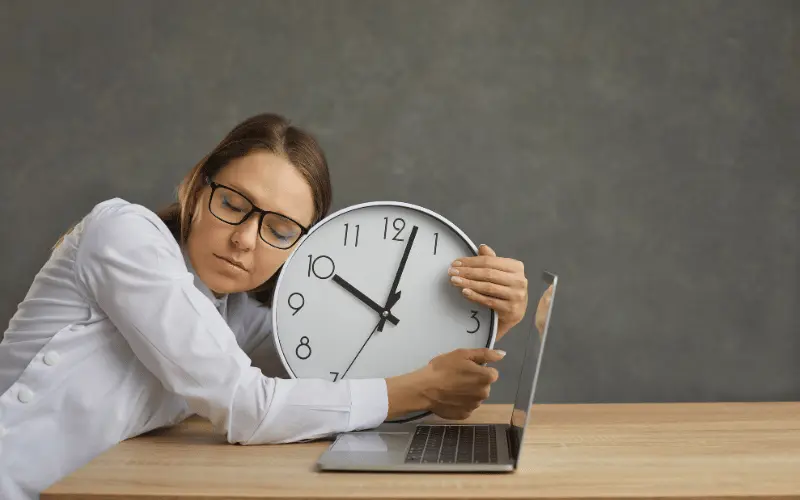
(546,297)
(476,378)
(487,289)
(484,355)
(473,394)
(493,262)
(481,371)
(486,250)
(488,375)
(491,275)
(455,411)
(540,320)
(494,303)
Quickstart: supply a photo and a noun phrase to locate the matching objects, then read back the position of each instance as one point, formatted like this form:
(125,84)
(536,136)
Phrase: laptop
(447,447)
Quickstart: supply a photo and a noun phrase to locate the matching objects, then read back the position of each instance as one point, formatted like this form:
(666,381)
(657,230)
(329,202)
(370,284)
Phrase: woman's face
(233,258)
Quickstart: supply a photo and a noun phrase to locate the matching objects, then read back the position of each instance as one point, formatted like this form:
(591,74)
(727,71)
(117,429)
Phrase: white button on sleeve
(25,395)
(133,269)
(51,358)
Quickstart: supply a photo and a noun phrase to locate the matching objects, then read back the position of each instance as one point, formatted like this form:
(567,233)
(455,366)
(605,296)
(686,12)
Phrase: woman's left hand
(496,282)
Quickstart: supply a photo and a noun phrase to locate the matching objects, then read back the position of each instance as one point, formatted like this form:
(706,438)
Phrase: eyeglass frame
(262,213)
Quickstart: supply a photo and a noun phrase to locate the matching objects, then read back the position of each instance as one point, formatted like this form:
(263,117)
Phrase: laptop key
(434,444)
(465,444)
(453,444)
(417,446)
(492,444)
(449,445)
(483,443)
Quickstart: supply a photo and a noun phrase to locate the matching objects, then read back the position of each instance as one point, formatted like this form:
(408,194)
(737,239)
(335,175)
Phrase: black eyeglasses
(232,207)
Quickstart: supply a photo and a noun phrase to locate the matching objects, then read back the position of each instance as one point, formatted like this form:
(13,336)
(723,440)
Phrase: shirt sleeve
(132,267)
(264,355)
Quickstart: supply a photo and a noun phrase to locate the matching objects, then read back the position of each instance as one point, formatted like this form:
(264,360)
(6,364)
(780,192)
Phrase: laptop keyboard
(451,444)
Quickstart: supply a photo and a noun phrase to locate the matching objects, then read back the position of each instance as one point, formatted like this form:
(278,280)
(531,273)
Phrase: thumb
(485,355)
(486,250)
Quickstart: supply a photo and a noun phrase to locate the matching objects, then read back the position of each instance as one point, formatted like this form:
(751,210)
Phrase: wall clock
(366,294)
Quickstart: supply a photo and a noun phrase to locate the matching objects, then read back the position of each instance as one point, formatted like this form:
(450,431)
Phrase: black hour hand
(385,314)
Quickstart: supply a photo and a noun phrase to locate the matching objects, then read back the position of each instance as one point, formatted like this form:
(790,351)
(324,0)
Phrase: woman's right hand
(451,385)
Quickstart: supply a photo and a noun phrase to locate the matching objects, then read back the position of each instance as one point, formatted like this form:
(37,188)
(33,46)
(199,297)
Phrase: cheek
(267,262)
(207,229)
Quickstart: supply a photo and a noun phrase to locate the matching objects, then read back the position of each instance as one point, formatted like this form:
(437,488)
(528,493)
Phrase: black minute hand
(363,298)
(394,295)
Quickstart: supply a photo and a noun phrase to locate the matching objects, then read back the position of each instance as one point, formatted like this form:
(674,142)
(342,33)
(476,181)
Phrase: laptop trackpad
(382,442)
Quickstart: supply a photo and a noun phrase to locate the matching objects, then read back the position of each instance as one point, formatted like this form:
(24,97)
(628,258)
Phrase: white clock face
(337,284)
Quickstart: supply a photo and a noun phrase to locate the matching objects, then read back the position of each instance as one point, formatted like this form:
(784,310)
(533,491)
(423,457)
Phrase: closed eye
(227,204)
(279,235)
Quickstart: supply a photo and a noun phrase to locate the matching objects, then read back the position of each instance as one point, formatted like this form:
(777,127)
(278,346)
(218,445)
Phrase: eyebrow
(250,197)
(237,187)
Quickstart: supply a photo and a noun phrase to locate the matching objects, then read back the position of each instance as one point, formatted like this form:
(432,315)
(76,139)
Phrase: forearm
(406,394)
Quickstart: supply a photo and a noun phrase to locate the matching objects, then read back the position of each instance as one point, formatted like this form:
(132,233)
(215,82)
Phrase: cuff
(369,403)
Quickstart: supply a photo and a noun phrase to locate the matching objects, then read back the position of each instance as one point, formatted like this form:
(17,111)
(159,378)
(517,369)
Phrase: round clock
(366,294)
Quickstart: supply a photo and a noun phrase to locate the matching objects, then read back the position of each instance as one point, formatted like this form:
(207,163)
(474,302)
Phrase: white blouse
(117,336)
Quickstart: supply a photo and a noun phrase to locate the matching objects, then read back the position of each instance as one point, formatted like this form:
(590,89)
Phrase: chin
(222,283)
(226,285)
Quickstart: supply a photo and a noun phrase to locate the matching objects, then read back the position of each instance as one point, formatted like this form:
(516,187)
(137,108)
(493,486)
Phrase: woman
(139,320)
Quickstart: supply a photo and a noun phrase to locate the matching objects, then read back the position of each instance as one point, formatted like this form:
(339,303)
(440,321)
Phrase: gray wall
(646,151)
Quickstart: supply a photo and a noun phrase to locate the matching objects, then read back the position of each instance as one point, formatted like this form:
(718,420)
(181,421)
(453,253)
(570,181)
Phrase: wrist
(407,393)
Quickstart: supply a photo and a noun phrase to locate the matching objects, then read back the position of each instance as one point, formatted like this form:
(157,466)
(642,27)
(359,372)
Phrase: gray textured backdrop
(646,151)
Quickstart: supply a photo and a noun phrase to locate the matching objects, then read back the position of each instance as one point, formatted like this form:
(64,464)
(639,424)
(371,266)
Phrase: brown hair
(267,132)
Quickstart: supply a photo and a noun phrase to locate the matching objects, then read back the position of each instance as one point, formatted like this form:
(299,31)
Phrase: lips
(232,262)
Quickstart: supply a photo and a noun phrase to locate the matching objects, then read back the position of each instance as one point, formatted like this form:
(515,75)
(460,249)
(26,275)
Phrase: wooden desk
(720,451)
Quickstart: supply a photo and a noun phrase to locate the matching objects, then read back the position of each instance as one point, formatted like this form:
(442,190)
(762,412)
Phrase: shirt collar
(198,283)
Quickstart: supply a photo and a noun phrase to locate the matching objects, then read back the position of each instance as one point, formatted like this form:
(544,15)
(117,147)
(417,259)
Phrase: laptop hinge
(513,452)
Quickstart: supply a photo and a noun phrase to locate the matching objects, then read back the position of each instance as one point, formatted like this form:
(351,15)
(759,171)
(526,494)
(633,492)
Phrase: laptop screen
(529,373)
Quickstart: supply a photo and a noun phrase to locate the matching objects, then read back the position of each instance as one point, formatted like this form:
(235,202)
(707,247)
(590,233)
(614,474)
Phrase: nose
(245,235)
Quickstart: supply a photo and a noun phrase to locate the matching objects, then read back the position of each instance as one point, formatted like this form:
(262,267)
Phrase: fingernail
(466,291)
(452,272)
(456,280)
(456,263)
(500,352)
